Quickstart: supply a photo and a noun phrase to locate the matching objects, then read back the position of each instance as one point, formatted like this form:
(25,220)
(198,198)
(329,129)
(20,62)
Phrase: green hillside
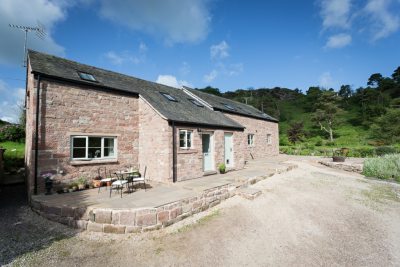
(362,118)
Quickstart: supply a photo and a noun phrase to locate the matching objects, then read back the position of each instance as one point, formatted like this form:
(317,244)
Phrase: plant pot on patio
(338,158)
(96,183)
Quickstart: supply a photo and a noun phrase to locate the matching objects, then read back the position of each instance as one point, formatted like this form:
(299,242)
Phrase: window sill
(187,151)
(90,162)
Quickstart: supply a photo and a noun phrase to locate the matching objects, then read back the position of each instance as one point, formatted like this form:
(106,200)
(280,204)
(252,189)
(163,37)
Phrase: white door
(228,149)
(207,152)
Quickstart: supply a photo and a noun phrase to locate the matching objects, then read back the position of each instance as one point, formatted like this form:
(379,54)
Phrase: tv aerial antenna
(40,31)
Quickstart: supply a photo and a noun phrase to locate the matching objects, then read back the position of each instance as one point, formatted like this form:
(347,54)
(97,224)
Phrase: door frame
(211,134)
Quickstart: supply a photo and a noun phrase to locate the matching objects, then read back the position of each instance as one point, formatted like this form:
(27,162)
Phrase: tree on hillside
(375,79)
(396,75)
(296,132)
(326,112)
(345,91)
(387,127)
(313,93)
(210,90)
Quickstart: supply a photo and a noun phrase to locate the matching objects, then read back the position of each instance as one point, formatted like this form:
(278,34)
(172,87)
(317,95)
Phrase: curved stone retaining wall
(134,220)
(113,220)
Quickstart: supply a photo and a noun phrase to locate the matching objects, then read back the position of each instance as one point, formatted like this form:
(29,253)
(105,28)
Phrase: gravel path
(312,215)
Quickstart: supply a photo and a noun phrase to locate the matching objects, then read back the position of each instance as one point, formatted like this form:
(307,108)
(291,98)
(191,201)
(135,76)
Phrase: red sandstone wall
(190,161)
(155,146)
(30,126)
(68,109)
(260,129)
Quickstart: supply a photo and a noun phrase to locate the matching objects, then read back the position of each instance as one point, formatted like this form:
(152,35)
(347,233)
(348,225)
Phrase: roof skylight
(228,106)
(87,76)
(197,103)
(169,97)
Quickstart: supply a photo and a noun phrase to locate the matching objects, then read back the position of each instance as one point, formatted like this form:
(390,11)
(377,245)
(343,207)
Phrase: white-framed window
(250,139)
(93,147)
(269,139)
(185,139)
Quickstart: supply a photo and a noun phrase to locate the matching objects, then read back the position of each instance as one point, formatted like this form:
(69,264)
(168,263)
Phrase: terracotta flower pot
(96,183)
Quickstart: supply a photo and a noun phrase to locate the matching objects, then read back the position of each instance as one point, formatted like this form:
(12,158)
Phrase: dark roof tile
(182,110)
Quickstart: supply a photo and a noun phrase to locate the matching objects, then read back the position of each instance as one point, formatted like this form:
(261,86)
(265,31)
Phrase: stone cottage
(80,117)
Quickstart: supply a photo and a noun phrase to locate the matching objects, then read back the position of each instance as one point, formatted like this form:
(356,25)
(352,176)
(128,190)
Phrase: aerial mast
(40,32)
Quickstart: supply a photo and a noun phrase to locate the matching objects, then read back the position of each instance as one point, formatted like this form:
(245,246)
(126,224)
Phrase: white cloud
(219,51)
(383,21)
(12,100)
(211,76)
(142,48)
(184,69)
(119,58)
(175,21)
(28,13)
(234,69)
(172,81)
(335,13)
(338,40)
(326,80)
(114,58)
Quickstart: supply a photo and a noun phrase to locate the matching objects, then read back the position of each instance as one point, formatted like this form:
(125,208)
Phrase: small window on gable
(250,139)
(195,102)
(269,139)
(228,106)
(169,97)
(87,76)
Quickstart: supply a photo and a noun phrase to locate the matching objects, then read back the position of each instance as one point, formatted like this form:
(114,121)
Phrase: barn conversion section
(80,117)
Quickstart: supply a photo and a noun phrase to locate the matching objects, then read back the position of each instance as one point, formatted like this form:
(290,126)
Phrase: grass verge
(386,167)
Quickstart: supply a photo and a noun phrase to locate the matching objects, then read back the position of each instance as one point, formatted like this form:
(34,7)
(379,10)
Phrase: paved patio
(161,194)
(159,206)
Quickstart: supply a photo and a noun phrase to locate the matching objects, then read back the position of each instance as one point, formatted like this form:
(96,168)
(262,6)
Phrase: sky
(228,44)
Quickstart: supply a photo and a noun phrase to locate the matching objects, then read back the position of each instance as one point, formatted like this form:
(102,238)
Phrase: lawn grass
(14,155)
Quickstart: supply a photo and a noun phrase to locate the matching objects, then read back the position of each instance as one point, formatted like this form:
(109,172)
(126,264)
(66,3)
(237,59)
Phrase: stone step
(249,192)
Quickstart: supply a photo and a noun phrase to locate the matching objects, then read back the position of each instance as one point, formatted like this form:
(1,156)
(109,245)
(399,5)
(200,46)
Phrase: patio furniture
(119,183)
(139,178)
(105,179)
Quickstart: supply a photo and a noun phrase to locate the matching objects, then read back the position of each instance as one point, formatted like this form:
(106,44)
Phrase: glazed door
(207,152)
(228,149)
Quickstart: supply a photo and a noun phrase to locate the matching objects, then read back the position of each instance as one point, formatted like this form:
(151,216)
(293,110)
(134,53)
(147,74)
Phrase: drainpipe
(173,152)
(37,135)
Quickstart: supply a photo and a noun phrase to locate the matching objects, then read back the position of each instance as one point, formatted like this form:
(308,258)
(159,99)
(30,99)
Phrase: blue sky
(225,44)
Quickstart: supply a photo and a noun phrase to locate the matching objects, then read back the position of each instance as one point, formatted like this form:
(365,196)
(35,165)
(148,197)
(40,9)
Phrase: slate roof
(226,105)
(183,111)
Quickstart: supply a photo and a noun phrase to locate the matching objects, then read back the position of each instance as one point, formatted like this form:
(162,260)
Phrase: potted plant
(339,156)
(222,168)
(73,187)
(96,181)
(48,181)
(82,183)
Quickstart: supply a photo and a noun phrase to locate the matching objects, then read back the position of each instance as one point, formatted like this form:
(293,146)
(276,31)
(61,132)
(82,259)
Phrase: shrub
(383,150)
(13,133)
(283,140)
(386,167)
(362,152)
(318,141)
(222,167)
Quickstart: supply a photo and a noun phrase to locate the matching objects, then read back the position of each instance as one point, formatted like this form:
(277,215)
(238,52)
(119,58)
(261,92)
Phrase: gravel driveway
(312,215)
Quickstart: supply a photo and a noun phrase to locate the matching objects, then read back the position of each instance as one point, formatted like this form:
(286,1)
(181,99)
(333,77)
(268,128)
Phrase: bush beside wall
(385,167)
